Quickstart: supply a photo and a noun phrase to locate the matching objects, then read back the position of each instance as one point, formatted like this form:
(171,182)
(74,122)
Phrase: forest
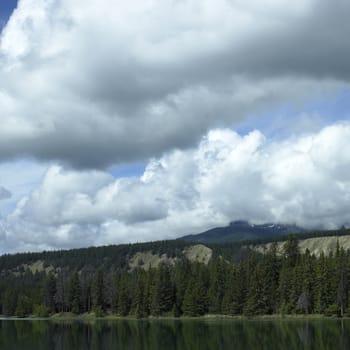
(293,282)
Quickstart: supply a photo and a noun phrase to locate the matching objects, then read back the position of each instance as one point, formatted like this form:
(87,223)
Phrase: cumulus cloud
(92,83)
(303,180)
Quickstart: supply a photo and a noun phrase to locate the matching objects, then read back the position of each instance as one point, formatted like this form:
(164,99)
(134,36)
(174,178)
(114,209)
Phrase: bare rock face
(324,244)
(146,260)
(315,245)
(198,253)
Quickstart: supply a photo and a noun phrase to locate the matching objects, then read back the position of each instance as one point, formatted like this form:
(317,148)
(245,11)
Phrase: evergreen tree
(322,284)
(154,296)
(166,289)
(285,286)
(217,270)
(74,293)
(9,303)
(109,290)
(124,301)
(270,276)
(230,298)
(189,305)
(182,272)
(61,297)
(257,300)
(115,300)
(291,251)
(49,292)
(86,282)
(342,290)
(140,298)
(98,292)
(196,295)
(24,306)
(306,298)
(289,288)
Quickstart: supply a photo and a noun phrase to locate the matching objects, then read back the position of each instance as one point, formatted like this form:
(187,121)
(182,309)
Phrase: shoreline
(93,317)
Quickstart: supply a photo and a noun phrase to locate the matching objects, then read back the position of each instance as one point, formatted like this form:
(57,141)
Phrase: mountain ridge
(242,230)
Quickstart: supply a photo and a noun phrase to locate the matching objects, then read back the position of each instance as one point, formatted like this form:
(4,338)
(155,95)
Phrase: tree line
(273,283)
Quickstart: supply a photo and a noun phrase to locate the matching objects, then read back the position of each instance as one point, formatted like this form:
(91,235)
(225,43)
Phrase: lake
(174,334)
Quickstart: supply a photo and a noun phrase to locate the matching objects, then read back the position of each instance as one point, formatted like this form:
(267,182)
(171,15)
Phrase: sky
(136,121)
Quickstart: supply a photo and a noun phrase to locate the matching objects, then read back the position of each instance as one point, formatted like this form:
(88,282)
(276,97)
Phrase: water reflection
(173,335)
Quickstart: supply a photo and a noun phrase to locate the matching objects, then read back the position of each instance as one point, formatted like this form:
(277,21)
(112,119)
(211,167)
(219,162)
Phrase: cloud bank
(92,83)
(86,85)
(303,180)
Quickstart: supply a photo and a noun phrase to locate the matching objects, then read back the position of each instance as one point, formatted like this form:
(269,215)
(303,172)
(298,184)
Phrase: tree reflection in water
(174,334)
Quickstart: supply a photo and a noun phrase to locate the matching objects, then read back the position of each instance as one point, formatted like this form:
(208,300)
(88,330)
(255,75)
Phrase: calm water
(168,335)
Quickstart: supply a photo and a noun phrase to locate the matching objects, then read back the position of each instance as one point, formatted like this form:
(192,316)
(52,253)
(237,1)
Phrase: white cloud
(303,180)
(19,178)
(92,83)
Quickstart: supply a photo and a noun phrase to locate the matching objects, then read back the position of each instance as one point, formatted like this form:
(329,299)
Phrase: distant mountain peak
(241,230)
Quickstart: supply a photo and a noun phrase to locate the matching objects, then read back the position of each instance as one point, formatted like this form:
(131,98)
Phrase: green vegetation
(250,284)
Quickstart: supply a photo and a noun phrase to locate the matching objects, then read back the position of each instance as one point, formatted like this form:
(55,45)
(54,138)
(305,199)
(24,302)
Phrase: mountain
(242,231)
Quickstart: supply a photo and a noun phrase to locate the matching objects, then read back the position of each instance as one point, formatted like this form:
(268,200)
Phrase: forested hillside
(232,279)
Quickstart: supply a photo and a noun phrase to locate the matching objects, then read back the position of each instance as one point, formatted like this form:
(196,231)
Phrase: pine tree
(342,290)
(230,298)
(154,296)
(74,293)
(124,296)
(86,290)
(270,272)
(217,270)
(322,284)
(166,289)
(284,287)
(140,298)
(182,272)
(291,251)
(289,288)
(9,302)
(241,286)
(61,295)
(98,292)
(109,290)
(296,287)
(189,305)
(117,277)
(306,298)
(49,292)
(196,295)
(257,301)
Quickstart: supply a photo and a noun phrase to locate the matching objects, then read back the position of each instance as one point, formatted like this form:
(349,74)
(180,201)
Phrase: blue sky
(289,119)
(134,121)
(6,8)
(127,170)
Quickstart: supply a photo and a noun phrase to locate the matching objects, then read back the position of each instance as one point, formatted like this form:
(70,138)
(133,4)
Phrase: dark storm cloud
(149,79)
(316,46)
